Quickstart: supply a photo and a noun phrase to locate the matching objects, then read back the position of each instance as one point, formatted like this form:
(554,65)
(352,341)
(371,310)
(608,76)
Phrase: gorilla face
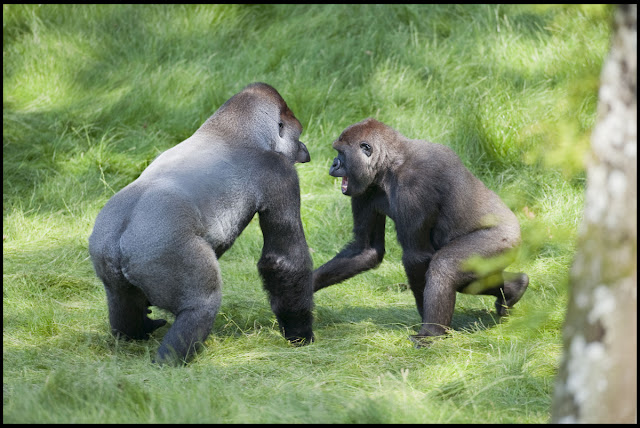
(351,164)
(358,156)
(266,119)
(288,143)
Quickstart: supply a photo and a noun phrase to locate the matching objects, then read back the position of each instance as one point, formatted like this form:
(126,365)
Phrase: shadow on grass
(100,343)
(225,326)
(401,318)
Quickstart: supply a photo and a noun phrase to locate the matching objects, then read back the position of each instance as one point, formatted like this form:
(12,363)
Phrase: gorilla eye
(366,148)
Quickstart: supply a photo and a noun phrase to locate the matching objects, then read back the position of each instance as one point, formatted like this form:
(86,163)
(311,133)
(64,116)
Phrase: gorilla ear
(281,128)
(366,148)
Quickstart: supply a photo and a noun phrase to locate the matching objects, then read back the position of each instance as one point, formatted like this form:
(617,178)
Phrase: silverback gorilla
(443,216)
(157,241)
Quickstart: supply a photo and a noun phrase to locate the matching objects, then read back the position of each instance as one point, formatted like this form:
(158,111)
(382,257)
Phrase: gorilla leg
(128,309)
(439,296)
(188,332)
(416,275)
(415,266)
(446,276)
(185,279)
(509,292)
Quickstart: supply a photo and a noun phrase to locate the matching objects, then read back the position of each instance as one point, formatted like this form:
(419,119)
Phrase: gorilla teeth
(345,184)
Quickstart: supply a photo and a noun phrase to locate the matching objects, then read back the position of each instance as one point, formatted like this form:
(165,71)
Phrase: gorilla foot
(301,341)
(152,325)
(167,355)
(423,341)
(513,291)
(121,335)
(168,359)
(141,332)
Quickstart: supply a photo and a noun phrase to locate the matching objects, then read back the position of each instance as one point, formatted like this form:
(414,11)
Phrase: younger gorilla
(158,240)
(443,215)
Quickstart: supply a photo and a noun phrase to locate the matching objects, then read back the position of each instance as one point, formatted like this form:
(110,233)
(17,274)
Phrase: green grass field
(93,93)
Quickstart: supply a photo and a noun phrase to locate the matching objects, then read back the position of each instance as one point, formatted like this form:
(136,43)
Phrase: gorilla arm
(363,253)
(285,265)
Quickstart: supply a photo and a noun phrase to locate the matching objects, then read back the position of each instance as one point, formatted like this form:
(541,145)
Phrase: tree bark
(597,381)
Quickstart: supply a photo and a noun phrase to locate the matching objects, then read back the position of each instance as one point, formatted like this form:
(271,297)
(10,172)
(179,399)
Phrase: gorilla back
(158,240)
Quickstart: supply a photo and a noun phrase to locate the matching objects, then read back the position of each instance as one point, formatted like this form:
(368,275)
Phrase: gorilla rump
(443,215)
(157,241)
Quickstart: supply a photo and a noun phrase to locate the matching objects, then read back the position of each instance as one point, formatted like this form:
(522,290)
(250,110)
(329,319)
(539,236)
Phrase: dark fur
(158,240)
(443,216)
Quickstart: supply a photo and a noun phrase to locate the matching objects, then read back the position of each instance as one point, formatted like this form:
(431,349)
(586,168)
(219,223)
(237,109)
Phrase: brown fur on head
(365,150)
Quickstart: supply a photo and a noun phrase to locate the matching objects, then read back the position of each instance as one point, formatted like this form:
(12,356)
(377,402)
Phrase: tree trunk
(597,381)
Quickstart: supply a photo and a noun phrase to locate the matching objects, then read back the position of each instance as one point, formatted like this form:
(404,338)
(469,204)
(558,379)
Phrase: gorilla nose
(303,154)
(336,166)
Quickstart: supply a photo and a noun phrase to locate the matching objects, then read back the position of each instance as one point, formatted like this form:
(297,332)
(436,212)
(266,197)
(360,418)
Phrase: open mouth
(345,184)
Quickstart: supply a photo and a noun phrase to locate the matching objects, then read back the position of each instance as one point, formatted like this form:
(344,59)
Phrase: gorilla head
(364,150)
(260,113)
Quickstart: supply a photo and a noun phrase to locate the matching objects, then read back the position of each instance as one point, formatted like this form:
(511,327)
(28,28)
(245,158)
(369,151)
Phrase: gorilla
(158,240)
(444,217)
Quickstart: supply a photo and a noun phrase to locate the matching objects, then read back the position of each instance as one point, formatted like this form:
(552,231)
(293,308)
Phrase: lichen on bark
(597,381)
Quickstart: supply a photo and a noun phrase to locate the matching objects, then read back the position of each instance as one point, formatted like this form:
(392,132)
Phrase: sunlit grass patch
(93,93)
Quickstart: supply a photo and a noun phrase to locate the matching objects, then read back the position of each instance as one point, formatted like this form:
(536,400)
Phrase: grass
(92,93)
